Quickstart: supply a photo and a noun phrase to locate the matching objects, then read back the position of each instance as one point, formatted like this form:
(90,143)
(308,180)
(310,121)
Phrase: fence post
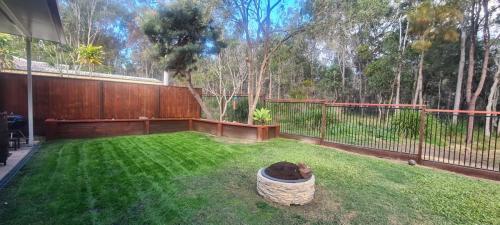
(323,123)
(146,126)
(219,128)
(421,133)
(101,100)
(50,129)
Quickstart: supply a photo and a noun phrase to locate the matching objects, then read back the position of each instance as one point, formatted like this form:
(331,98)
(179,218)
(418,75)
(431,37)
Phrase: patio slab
(15,161)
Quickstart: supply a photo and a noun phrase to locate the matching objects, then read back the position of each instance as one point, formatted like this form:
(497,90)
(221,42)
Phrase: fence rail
(459,138)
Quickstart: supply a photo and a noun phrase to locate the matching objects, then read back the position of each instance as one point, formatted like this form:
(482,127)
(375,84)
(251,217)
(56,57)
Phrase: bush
(262,116)
(407,123)
(311,117)
(241,112)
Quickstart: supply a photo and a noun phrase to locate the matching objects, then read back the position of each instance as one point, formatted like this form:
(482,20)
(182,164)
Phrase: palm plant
(90,55)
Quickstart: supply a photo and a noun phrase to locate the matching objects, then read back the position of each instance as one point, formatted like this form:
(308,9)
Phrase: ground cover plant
(193,178)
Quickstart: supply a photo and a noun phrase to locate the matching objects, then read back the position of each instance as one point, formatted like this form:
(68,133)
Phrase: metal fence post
(421,133)
(323,123)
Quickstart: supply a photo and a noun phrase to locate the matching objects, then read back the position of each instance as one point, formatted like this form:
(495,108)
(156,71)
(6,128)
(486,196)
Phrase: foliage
(407,123)
(431,21)
(5,52)
(329,83)
(364,53)
(90,55)
(241,111)
(303,91)
(182,35)
(380,73)
(346,50)
(262,116)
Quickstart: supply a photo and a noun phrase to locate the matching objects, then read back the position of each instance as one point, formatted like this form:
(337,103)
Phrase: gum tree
(429,22)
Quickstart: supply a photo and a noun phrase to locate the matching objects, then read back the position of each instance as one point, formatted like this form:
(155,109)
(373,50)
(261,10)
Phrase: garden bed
(64,129)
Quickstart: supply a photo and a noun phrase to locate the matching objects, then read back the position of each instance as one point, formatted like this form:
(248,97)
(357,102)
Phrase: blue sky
(278,18)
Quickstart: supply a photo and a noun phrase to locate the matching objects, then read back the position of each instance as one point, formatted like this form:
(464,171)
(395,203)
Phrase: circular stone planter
(285,192)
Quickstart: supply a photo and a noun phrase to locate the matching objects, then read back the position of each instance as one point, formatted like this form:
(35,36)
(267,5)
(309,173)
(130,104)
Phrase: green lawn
(191,178)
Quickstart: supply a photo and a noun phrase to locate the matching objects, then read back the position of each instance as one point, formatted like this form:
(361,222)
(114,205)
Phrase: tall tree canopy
(182,35)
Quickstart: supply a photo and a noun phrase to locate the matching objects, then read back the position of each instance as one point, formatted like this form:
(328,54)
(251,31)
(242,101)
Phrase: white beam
(12,17)
(166,78)
(29,80)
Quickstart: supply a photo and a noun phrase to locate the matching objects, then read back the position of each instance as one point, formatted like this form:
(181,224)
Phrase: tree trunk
(492,99)
(484,72)
(197,96)
(250,87)
(460,77)
(270,84)
(343,73)
(439,94)
(398,84)
(279,83)
(258,87)
(420,79)
(402,48)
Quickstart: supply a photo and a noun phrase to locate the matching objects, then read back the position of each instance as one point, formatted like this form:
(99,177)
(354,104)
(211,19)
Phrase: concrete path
(14,162)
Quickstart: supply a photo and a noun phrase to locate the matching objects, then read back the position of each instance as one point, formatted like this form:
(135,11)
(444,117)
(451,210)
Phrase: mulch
(284,170)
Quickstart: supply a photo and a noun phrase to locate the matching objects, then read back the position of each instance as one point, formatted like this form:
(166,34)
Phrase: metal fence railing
(386,127)
(237,108)
(298,118)
(471,140)
(461,138)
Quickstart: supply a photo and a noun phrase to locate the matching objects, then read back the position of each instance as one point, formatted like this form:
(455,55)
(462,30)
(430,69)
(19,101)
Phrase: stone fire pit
(286,183)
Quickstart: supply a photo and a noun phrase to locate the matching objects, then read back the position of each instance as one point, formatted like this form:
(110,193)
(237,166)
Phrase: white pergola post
(166,78)
(38,19)
(29,81)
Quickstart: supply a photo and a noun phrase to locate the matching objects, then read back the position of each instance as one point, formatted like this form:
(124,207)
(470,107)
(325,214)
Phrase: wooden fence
(77,99)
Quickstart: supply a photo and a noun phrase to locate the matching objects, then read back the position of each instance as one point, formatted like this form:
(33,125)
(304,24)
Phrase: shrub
(407,123)
(262,116)
(310,117)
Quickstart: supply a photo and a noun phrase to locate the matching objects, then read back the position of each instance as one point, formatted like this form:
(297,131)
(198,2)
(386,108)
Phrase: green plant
(90,55)
(406,122)
(262,116)
(5,52)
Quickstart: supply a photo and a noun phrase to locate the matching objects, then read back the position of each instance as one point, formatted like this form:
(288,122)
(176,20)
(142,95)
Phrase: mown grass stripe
(123,180)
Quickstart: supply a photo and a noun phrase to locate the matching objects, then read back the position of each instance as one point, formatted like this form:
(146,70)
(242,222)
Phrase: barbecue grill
(16,124)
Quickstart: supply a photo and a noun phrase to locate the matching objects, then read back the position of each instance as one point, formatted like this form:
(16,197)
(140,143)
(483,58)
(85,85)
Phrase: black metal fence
(237,108)
(469,140)
(461,138)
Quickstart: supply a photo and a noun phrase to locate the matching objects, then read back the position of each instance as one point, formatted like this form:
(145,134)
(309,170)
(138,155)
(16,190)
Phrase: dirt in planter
(284,170)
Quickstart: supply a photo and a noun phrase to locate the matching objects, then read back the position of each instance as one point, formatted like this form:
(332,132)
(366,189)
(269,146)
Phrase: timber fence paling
(426,135)
(76,99)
